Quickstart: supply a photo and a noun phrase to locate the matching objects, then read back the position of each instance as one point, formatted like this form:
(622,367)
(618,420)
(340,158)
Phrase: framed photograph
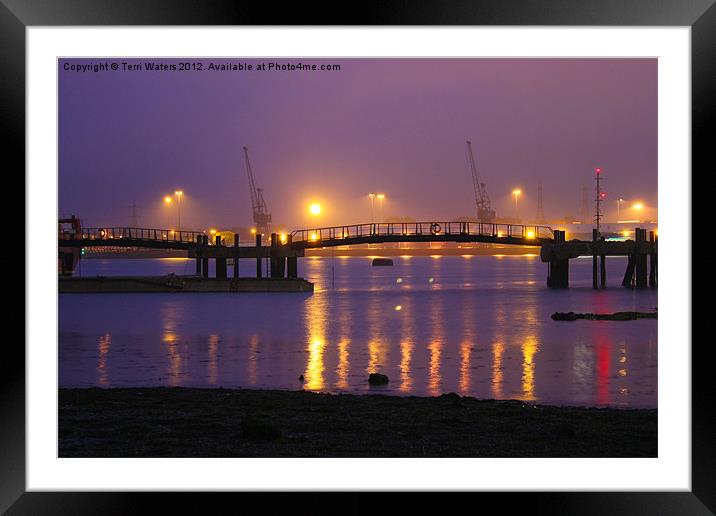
(419,252)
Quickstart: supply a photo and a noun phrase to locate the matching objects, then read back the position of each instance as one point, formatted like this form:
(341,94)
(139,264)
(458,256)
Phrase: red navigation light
(603,195)
(598,170)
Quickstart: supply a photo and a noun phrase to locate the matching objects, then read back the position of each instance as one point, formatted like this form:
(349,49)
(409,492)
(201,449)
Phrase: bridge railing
(507,231)
(146,234)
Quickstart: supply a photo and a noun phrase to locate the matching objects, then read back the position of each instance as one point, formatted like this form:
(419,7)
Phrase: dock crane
(262,218)
(485,213)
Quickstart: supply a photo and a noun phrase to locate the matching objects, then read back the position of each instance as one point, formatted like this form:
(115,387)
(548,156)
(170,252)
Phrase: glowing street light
(516,192)
(167,200)
(380,205)
(638,206)
(619,205)
(315,209)
(179,194)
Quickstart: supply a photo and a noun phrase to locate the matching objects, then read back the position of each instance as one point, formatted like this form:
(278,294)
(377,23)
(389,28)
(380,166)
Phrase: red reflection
(603,360)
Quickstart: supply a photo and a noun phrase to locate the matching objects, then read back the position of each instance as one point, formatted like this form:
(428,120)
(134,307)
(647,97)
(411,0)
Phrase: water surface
(475,325)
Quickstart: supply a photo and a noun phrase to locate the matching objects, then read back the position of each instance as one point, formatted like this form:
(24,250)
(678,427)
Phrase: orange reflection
(315,367)
(498,350)
(530,346)
(465,355)
(436,345)
(343,364)
(171,314)
(105,342)
(406,346)
(406,355)
(315,313)
(376,357)
(212,367)
(468,324)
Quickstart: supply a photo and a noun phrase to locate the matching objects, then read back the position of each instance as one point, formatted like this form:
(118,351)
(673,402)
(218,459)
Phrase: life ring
(101,232)
(435,228)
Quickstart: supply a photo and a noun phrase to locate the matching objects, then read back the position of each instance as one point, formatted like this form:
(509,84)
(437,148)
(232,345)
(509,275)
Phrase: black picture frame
(17,15)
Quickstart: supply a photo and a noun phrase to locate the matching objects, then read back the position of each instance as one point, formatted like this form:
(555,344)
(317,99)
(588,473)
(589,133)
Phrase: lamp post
(380,205)
(619,205)
(372,211)
(517,192)
(179,194)
(638,206)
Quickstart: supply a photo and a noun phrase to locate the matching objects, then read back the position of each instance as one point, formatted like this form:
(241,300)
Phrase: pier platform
(172,283)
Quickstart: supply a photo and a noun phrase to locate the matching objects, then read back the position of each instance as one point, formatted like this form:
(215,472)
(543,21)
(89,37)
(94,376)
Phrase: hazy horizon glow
(391,126)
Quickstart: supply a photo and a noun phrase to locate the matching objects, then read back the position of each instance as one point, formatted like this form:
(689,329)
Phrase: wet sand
(184,422)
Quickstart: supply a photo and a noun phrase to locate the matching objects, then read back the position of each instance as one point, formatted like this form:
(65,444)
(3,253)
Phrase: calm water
(478,326)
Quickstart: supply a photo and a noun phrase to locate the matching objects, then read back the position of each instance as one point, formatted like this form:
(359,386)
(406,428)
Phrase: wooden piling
(628,280)
(652,259)
(640,265)
(278,263)
(558,273)
(204,259)
(220,262)
(603,271)
(292,263)
(236,255)
(199,242)
(258,255)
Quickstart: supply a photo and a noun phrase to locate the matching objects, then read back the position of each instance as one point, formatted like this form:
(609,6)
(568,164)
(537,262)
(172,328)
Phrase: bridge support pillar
(220,262)
(278,263)
(558,273)
(652,260)
(292,266)
(603,271)
(199,241)
(258,255)
(204,259)
(641,271)
(236,255)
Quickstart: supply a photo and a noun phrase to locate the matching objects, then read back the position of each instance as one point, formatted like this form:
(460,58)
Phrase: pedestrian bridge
(378,233)
(283,250)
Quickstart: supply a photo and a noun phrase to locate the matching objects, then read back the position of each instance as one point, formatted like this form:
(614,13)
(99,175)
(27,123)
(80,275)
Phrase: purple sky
(396,126)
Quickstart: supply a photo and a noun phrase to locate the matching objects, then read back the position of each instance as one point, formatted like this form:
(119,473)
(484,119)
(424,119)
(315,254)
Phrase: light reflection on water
(493,339)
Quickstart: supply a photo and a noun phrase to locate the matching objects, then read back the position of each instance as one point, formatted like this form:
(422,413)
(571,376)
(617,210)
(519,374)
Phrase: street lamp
(619,205)
(380,205)
(179,194)
(315,209)
(372,202)
(516,192)
(638,206)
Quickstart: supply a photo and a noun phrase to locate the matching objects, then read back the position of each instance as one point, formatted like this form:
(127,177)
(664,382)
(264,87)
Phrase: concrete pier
(179,284)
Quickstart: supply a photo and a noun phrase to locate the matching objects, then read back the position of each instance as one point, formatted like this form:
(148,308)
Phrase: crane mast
(262,218)
(485,213)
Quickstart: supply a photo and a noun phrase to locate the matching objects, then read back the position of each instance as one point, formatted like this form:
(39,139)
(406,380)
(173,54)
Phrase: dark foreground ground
(178,422)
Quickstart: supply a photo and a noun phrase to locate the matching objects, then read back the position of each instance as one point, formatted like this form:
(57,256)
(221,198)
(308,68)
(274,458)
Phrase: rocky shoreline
(187,422)
(616,316)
